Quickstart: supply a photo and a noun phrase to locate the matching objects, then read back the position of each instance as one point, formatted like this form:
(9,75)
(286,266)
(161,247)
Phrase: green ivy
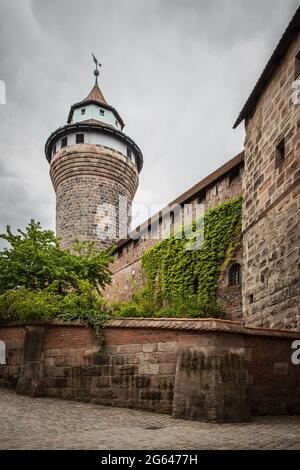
(174,274)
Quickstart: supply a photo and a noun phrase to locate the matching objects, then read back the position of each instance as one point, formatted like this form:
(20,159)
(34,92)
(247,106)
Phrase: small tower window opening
(54,150)
(280,153)
(116,122)
(64,142)
(297,65)
(79,138)
(234,275)
(129,153)
(101,111)
(83,111)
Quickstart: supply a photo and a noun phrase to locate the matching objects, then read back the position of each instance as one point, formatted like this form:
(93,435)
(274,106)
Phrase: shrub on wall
(183,282)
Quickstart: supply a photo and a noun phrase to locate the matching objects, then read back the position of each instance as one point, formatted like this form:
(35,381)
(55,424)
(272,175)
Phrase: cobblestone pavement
(45,423)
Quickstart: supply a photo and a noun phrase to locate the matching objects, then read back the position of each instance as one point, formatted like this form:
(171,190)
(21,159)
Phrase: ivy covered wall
(174,273)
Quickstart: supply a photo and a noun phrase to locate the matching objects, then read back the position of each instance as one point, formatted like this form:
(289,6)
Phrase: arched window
(234,275)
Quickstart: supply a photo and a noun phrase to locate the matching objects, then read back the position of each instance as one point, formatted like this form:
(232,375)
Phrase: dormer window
(101,111)
(83,111)
(64,142)
(79,138)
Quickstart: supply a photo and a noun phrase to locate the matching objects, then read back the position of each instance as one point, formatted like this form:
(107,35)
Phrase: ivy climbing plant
(174,273)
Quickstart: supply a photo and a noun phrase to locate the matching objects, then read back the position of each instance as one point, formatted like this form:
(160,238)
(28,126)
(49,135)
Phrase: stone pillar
(30,381)
(211,381)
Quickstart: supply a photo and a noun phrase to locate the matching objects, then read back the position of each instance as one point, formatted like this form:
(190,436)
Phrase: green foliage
(175,273)
(188,309)
(39,280)
(181,282)
(36,261)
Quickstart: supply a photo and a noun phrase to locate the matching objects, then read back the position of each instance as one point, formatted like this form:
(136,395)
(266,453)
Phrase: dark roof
(92,125)
(286,40)
(192,192)
(95,97)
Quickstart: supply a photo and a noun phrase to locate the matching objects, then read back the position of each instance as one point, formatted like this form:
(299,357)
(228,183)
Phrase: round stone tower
(94,169)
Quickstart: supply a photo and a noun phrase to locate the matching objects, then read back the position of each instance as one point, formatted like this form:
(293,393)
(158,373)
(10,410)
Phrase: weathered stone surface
(201,369)
(89,180)
(271,212)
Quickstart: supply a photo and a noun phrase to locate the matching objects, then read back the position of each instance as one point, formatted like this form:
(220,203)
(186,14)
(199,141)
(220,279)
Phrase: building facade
(94,166)
(271,190)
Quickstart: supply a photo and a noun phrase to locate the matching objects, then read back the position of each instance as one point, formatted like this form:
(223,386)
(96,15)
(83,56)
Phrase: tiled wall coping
(199,325)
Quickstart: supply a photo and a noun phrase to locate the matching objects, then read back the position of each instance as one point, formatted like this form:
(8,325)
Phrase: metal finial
(96,71)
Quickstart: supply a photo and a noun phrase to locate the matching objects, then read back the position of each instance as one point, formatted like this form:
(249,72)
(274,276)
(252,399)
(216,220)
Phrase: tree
(39,279)
(35,261)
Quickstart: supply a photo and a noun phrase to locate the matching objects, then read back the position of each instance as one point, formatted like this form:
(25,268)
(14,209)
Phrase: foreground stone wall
(271,212)
(195,369)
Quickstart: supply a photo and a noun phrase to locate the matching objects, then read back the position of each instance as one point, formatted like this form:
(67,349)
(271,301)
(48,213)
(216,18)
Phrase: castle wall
(126,269)
(271,210)
(89,181)
(194,369)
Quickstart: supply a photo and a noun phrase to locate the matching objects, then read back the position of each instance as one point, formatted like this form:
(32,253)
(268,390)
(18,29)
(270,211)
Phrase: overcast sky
(178,72)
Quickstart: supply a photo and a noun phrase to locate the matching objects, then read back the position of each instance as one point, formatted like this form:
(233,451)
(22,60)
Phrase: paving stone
(48,423)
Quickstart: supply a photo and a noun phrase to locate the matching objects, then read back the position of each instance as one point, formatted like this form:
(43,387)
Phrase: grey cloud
(177,71)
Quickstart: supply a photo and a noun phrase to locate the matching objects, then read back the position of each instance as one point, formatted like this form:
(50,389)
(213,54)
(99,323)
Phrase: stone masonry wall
(195,369)
(127,270)
(271,212)
(89,181)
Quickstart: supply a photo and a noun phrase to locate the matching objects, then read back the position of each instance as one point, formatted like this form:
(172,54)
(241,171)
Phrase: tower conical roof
(96,95)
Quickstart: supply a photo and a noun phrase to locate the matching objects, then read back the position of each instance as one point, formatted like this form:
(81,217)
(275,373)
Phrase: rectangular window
(297,65)
(129,153)
(83,111)
(280,153)
(79,138)
(235,173)
(64,142)
(101,112)
(54,150)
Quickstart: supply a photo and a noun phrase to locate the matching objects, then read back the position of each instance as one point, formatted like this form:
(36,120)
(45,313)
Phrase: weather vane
(96,71)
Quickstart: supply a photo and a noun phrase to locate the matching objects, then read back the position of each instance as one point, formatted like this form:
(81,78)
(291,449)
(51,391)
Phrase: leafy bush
(39,280)
(191,308)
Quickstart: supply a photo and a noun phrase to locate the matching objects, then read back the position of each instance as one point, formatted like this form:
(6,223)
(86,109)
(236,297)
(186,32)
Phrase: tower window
(54,150)
(280,153)
(234,275)
(79,138)
(297,65)
(64,142)
(116,122)
(129,153)
(83,110)
(101,111)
